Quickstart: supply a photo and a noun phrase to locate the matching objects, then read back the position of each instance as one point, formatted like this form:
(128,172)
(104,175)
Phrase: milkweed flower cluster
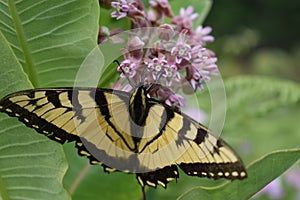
(178,60)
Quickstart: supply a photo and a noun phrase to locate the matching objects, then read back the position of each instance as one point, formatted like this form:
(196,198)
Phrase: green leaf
(260,173)
(50,38)
(31,166)
(256,95)
(12,76)
(261,93)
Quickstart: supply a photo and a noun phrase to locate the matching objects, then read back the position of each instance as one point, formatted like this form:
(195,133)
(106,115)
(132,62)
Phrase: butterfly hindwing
(211,157)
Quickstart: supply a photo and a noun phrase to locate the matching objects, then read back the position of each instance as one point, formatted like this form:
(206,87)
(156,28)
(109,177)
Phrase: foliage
(44,43)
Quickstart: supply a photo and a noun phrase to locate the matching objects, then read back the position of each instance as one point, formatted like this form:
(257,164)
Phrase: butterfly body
(128,132)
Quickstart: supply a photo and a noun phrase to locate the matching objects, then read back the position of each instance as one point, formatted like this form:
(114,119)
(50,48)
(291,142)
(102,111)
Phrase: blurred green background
(257,37)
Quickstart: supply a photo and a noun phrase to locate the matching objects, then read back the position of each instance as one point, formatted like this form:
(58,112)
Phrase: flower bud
(165,32)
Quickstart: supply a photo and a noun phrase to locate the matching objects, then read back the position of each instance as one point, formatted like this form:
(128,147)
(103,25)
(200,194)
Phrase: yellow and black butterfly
(128,132)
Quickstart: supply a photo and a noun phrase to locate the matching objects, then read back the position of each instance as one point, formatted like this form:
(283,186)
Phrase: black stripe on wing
(217,160)
(101,99)
(162,128)
(161,176)
(82,151)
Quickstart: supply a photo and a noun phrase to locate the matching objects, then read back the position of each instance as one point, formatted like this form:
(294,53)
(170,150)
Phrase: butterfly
(126,131)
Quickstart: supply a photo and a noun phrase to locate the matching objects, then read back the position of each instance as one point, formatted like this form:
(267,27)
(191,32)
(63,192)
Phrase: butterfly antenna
(128,79)
(116,61)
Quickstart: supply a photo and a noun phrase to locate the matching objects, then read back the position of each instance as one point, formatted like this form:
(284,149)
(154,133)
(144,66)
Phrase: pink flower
(103,34)
(168,63)
(135,49)
(165,32)
(171,75)
(122,7)
(204,63)
(185,19)
(176,100)
(181,50)
(157,67)
(128,8)
(127,68)
(161,8)
(201,35)
(170,98)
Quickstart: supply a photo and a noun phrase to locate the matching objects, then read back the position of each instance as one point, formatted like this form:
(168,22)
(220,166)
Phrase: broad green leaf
(261,93)
(260,173)
(50,38)
(256,95)
(31,166)
(12,76)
